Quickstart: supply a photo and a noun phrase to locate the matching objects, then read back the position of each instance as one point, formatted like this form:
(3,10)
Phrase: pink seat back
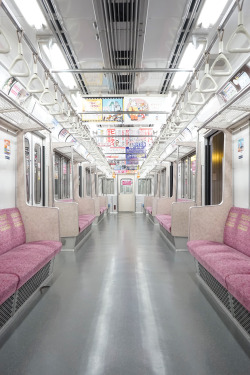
(237,230)
(12,231)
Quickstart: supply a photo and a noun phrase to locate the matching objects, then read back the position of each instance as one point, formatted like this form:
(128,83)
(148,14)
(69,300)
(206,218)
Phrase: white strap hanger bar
(240,30)
(35,78)
(221,57)
(6,48)
(19,58)
(207,78)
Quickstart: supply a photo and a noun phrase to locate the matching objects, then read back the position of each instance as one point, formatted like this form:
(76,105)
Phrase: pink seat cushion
(161,218)
(8,286)
(83,223)
(149,209)
(167,224)
(237,229)
(239,287)
(27,259)
(199,248)
(12,231)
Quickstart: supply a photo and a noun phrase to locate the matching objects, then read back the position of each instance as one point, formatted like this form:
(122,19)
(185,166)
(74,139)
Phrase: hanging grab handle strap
(26,71)
(35,79)
(207,78)
(6,48)
(227,70)
(240,30)
(47,98)
(196,97)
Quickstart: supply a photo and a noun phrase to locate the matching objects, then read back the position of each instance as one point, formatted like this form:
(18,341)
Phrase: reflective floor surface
(125,304)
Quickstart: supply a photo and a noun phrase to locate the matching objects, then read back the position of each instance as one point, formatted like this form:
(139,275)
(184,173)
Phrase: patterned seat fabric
(229,262)
(19,260)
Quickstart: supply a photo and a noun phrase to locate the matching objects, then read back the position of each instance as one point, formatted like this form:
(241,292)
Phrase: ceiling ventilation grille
(121,25)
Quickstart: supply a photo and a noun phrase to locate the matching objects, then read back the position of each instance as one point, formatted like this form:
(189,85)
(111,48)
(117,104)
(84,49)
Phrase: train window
(65,178)
(37,173)
(80,181)
(216,178)
(61,177)
(144,186)
(163,182)
(126,186)
(88,182)
(100,185)
(96,185)
(110,186)
(27,168)
(57,176)
(155,184)
(188,168)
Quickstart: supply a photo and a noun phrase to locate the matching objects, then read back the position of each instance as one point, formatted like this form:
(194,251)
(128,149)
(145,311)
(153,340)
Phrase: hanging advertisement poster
(151,104)
(240,80)
(92,105)
(112,105)
(7,148)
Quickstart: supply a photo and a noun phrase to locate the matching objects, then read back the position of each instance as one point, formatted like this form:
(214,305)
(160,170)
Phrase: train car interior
(124,187)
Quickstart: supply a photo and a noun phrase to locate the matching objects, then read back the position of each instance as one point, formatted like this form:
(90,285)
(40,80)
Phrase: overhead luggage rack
(68,151)
(237,109)
(17,116)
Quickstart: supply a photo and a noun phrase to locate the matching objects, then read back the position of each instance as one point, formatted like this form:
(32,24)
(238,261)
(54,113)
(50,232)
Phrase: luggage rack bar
(17,116)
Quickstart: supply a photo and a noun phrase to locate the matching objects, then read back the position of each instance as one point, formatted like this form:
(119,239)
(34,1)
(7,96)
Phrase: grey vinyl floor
(125,304)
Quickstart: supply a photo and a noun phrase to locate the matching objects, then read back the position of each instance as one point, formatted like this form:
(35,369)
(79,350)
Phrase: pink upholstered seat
(85,221)
(27,259)
(165,221)
(8,286)
(232,257)
(103,209)
(199,248)
(149,209)
(239,287)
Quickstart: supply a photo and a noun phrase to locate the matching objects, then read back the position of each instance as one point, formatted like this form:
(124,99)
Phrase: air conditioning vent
(121,11)
(122,58)
(123,81)
(121,25)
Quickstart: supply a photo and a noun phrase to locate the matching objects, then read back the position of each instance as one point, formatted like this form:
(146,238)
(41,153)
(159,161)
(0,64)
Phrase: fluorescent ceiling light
(58,62)
(210,13)
(32,13)
(188,61)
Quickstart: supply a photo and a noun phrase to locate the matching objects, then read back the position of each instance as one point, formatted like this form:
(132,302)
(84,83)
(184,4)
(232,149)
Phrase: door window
(37,173)
(126,186)
(27,169)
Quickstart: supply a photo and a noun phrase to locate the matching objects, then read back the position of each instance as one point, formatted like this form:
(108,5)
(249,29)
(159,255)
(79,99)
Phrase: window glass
(126,186)
(37,173)
(88,182)
(144,186)
(57,177)
(163,182)
(65,177)
(27,168)
(155,184)
(80,181)
(192,176)
(110,186)
(188,168)
(61,177)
